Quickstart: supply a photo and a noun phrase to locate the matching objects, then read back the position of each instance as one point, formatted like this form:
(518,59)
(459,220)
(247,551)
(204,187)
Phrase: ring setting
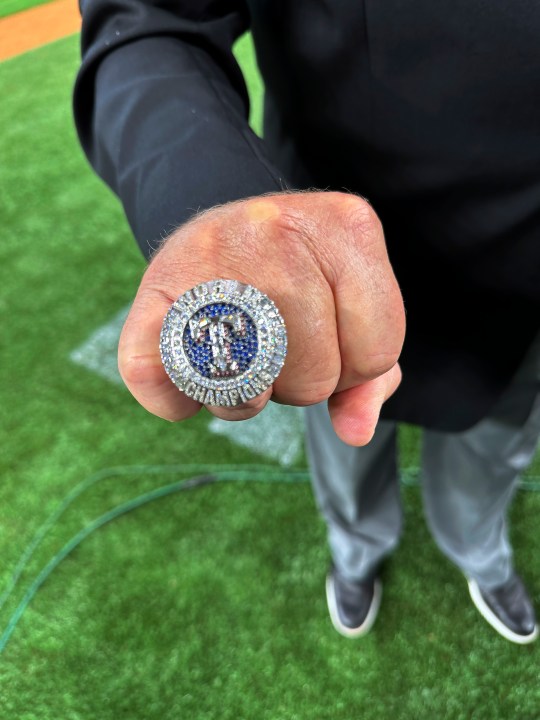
(223,342)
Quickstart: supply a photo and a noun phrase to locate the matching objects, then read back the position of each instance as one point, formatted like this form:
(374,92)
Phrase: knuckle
(321,394)
(377,364)
(189,254)
(360,219)
(165,281)
(394,320)
(310,395)
(141,372)
(295,224)
(262,209)
(157,293)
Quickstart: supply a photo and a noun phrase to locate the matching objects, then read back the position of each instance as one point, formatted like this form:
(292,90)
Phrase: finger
(355,412)
(312,365)
(139,361)
(287,273)
(369,306)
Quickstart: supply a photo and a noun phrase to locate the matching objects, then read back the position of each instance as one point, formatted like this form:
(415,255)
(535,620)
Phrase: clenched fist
(322,259)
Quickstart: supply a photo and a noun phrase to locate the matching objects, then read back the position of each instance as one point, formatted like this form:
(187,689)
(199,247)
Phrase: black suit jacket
(429,109)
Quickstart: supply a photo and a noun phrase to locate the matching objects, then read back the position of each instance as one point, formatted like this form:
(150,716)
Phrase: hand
(322,259)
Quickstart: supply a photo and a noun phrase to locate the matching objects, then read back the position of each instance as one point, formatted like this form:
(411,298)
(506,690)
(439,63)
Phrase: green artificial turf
(9,7)
(208,603)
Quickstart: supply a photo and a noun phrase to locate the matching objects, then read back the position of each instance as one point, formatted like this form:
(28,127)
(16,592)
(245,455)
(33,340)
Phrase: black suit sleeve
(161,109)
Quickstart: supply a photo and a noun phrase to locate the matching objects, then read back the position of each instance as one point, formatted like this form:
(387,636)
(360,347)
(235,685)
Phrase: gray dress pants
(468,480)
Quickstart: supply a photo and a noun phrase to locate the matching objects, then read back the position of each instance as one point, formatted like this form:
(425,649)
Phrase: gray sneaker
(508,609)
(353,606)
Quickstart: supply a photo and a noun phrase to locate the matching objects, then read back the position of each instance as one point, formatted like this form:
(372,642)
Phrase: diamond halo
(223,342)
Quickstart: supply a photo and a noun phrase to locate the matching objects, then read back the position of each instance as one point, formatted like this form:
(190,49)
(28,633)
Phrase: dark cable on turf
(211,474)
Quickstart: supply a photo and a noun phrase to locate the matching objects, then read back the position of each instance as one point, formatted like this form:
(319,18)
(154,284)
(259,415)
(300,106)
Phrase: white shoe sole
(371,616)
(488,615)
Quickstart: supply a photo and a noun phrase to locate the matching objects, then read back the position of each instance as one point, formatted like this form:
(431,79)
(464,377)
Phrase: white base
(366,626)
(494,621)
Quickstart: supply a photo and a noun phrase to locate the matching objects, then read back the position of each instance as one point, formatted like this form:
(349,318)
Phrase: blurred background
(124,591)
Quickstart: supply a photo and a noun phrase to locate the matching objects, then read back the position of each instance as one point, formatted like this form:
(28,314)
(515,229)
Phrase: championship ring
(223,343)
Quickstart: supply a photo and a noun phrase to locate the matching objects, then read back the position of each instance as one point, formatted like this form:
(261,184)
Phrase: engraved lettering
(199,394)
(249,391)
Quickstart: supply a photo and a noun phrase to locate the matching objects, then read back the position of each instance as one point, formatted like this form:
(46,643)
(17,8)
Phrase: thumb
(355,412)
